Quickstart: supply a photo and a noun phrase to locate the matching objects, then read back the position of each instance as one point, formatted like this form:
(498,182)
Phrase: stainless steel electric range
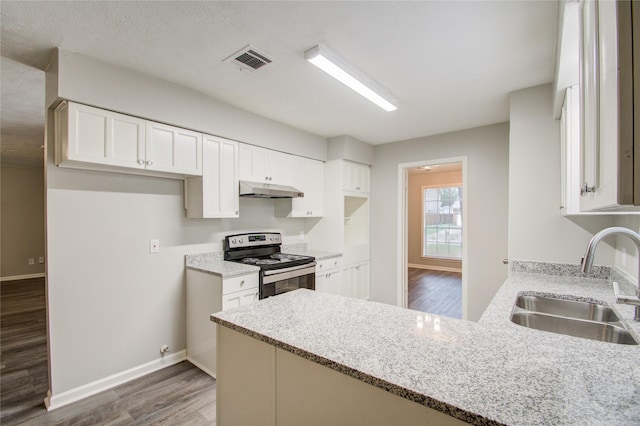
(279,272)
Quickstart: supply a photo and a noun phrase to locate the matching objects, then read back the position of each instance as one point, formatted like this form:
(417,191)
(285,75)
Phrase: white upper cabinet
(94,138)
(215,194)
(172,149)
(264,165)
(307,176)
(90,135)
(355,177)
(606,155)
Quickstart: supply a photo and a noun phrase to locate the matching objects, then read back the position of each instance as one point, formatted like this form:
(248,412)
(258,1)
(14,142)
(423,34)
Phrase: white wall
(537,230)
(22,220)
(112,304)
(486,149)
(626,257)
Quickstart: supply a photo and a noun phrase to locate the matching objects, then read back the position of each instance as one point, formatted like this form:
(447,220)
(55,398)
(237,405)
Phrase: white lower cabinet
(354,281)
(207,294)
(328,275)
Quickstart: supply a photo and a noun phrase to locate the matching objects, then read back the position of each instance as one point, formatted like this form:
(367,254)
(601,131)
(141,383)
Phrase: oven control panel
(252,240)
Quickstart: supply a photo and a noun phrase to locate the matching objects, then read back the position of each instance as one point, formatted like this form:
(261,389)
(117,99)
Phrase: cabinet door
(314,190)
(355,177)
(322,283)
(347,278)
(172,149)
(333,282)
(103,137)
(279,167)
(220,177)
(607,119)
(240,298)
(252,163)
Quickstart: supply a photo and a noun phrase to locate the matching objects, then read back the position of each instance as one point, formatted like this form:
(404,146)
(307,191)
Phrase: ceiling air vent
(249,58)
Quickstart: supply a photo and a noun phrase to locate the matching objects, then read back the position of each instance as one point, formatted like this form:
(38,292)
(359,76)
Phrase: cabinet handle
(149,163)
(237,212)
(241,283)
(141,161)
(586,189)
(357,188)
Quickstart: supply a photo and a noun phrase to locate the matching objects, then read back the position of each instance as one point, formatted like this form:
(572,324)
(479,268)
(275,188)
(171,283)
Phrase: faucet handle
(620,298)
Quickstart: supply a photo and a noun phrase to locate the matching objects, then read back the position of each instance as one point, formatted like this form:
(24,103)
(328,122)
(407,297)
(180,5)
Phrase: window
(442,222)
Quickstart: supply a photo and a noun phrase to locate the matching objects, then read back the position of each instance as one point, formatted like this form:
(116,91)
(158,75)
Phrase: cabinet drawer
(328,264)
(243,282)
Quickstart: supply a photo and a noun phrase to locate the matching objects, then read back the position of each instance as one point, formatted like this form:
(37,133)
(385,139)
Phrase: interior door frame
(402,231)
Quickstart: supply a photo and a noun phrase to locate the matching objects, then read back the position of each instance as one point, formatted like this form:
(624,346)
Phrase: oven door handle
(286,273)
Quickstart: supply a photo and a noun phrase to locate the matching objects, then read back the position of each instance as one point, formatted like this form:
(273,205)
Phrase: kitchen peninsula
(313,358)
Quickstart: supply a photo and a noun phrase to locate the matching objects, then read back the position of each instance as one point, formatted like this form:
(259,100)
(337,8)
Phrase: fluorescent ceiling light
(338,68)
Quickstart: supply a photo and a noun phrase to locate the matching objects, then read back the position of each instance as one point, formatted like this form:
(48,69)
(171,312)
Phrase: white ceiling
(451,64)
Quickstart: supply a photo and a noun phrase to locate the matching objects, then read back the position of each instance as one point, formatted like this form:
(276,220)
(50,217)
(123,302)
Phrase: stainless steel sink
(570,317)
(567,308)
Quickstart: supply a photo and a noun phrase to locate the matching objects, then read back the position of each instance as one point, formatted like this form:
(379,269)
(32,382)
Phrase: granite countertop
(319,255)
(213,262)
(490,372)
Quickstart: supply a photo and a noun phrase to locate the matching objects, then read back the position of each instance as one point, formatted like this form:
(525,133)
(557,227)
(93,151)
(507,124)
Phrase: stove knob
(240,241)
(233,241)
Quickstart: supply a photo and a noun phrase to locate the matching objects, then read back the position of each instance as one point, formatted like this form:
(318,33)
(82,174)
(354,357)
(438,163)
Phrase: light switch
(154,246)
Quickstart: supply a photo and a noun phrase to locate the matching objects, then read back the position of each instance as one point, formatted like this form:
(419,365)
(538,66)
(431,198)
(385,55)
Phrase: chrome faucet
(587,263)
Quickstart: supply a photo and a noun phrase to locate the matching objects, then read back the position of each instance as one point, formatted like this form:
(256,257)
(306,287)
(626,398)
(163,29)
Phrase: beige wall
(414,219)
(487,151)
(22,215)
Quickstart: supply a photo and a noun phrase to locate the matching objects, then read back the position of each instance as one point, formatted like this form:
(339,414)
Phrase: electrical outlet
(154,246)
(31,261)
(41,259)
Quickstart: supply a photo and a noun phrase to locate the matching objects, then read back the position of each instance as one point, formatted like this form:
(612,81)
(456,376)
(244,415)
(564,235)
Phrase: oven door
(278,281)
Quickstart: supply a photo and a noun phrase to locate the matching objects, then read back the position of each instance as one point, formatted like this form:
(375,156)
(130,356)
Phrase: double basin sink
(576,318)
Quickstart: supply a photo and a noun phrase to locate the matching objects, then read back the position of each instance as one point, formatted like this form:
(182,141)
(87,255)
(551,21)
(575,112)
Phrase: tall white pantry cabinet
(344,228)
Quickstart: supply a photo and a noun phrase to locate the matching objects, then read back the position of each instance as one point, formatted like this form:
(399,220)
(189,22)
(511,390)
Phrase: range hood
(268,190)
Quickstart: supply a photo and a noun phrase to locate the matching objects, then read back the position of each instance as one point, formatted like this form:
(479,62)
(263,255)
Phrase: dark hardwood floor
(177,395)
(435,292)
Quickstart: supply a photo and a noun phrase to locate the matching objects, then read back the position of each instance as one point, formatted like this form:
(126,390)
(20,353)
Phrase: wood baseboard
(22,277)
(434,268)
(53,401)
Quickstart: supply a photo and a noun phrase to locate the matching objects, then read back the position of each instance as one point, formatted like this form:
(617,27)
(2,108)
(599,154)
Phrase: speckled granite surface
(491,372)
(213,263)
(319,255)
(548,268)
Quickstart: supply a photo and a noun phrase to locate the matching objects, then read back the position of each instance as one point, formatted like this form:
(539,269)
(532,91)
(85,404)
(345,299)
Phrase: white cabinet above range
(264,165)
(94,138)
(307,176)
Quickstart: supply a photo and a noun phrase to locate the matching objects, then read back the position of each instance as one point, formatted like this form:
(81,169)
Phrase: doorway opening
(431,236)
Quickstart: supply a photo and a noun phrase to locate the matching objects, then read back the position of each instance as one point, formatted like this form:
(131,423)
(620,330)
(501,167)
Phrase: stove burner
(267,262)
(251,260)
